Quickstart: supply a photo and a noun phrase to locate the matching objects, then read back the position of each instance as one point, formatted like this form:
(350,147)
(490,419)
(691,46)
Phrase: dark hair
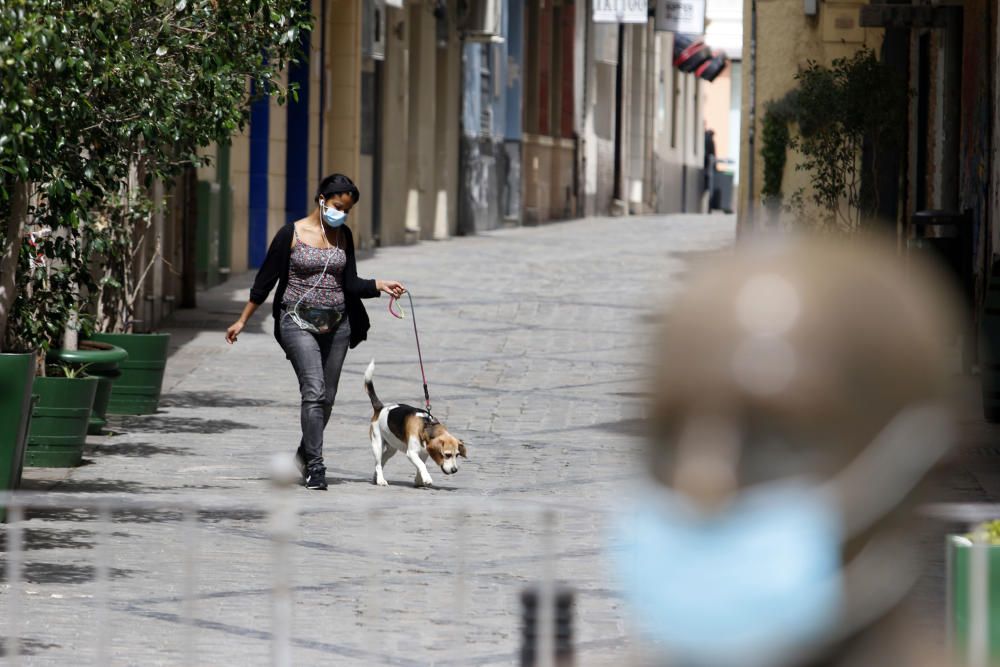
(336,184)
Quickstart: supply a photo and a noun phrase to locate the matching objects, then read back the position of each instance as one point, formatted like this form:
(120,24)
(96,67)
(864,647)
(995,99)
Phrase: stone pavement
(533,341)
(535,351)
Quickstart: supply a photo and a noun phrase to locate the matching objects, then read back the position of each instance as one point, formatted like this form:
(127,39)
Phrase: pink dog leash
(401,315)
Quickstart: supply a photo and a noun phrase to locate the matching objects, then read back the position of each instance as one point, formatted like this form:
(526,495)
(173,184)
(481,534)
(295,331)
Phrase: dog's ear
(461,449)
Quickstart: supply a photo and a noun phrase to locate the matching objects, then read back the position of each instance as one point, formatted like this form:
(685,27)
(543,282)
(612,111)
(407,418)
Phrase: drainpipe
(322,85)
(582,138)
(751,209)
(619,190)
(465,223)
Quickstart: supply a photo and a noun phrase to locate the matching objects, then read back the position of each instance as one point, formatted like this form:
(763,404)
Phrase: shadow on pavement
(627,426)
(119,516)
(26,646)
(209,399)
(157,424)
(133,450)
(43,539)
(218,516)
(100,486)
(64,573)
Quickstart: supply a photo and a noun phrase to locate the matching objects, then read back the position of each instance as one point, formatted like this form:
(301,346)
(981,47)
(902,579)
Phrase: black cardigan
(275,270)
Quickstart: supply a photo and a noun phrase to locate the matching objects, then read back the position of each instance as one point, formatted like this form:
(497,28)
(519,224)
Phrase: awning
(692,56)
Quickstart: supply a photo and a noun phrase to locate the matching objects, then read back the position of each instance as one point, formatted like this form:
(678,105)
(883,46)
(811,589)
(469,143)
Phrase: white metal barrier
(175,581)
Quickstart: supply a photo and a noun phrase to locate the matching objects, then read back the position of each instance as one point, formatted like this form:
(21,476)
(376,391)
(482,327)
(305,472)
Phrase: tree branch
(157,254)
(11,250)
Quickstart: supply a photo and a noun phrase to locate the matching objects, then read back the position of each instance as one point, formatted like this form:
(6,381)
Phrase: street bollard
(15,546)
(545,631)
(189,581)
(102,584)
(562,628)
(283,520)
(371,596)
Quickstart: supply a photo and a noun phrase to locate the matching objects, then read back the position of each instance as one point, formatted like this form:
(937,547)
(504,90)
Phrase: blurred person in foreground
(800,401)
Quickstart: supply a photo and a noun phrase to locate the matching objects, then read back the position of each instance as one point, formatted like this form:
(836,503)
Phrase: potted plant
(60,418)
(964,582)
(118,240)
(16,374)
(137,389)
(102,361)
(828,119)
(51,282)
(36,318)
(64,165)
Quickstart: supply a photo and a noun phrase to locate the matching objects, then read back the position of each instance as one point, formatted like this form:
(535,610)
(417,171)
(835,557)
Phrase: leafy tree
(102,97)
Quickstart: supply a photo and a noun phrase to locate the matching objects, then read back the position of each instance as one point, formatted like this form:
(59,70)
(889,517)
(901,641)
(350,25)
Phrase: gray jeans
(317,360)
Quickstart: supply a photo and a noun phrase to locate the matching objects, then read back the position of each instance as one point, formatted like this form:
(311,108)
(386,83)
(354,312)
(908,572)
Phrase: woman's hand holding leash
(393,288)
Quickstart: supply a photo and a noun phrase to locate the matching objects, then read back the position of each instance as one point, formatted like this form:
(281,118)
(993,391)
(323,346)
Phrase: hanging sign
(683,16)
(621,11)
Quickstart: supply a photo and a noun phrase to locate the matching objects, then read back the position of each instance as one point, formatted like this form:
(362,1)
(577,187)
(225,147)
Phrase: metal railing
(194,579)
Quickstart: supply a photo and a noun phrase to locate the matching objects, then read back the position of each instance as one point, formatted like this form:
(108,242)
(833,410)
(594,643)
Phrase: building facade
(946,55)
(642,122)
(453,117)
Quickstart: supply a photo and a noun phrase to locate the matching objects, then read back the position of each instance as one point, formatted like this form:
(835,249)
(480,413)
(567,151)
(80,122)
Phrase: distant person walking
(317,309)
(710,159)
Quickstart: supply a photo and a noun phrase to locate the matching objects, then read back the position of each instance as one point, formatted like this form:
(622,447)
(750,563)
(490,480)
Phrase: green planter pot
(59,421)
(16,374)
(102,361)
(960,557)
(137,391)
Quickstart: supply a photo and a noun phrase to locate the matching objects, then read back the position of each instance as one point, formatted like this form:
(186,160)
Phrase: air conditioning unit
(483,21)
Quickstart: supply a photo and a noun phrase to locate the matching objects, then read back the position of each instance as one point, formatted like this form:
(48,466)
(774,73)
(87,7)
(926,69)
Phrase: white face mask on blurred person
(762,581)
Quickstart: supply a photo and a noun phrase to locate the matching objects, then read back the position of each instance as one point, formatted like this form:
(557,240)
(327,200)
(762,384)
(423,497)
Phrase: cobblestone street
(755,428)
(533,344)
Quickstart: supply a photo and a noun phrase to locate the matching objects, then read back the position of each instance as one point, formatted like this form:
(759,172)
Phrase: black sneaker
(316,478)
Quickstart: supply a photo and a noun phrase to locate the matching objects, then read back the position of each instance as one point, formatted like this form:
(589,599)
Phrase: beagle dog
(414,432)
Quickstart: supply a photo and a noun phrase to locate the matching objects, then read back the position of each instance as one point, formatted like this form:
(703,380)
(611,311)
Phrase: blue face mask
(764,578)
(738,588)
(332,216)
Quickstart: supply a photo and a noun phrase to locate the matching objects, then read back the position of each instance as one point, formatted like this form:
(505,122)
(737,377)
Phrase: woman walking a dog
(317,310)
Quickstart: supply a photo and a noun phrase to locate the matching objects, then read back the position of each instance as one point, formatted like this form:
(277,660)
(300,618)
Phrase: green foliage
(840,109)
(835,111)
(986,533)
(775,140)
(102,97)
(71,371)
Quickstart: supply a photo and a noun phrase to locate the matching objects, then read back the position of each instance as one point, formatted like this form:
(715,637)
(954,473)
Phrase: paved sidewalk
(534,344)
(533,340)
